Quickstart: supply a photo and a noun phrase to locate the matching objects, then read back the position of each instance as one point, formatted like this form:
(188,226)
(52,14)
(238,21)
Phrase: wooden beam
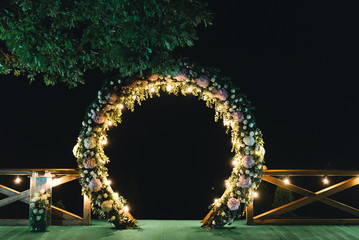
(14,222)
(309,199)
(306,221)
(64,214)
(61,180)
(14,198)
(87,211)
(249,214)
(308,172)
(10,192)
(29,171)
(207,217)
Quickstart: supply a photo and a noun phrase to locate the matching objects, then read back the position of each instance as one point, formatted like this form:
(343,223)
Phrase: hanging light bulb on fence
(286,180)
(325,180)
(17,180)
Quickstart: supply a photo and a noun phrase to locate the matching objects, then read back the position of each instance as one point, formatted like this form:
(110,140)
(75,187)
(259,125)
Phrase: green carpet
(179,229)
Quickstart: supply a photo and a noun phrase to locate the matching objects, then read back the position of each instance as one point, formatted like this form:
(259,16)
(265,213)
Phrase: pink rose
(95,185)
(248,161)
(244,182)
(203,81)
(89,163)
(182,75)
(238,116)
(221,94)
(233,204)
(98,117)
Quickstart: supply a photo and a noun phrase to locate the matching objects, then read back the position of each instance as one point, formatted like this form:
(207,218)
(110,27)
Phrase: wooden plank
(61,180)
(65,214)
(306,192)
(306,221)
(131,217)
(207,217)
(87,211)
(14,222)
(309,172)
(309,199)
(249,214)
(29,171)
(10,192)
(14,198)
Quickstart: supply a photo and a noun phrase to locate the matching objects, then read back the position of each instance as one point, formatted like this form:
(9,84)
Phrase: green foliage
(60,39)
(281,197)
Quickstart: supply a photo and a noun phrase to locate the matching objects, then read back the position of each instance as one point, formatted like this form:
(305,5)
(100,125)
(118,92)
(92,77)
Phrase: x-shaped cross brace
(310,197)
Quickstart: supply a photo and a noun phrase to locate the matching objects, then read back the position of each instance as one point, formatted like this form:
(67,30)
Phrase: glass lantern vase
(40,202)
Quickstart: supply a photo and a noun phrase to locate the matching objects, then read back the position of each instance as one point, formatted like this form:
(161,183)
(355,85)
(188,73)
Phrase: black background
(297,61)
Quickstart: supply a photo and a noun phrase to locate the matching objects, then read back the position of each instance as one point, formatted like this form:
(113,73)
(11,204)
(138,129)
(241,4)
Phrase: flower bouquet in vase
(40,202)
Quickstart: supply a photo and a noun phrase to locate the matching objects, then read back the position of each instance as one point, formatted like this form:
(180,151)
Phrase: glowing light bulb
(255,194)
(104,141)
(108,182)
(215,200)
(189,89)
(17,180)
(109,123)
(235,162)
(133,97)
(169,88)
(228,183)
(115,195)
(286,180)
(126,208)
(121,106)
(325,180)
(153,90)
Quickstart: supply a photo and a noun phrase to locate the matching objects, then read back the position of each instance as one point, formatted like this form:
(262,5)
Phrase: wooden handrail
(309,172)
(28,171)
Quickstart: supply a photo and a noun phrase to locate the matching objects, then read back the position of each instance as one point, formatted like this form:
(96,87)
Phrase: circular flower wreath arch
(218,92)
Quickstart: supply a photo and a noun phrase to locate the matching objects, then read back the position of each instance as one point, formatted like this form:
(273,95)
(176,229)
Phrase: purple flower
(238,116)
(95,185)
(182,75)
(221,94)
(89,163)
(248,161)
(244,182)
(203,81)
(98,117)
(233,203)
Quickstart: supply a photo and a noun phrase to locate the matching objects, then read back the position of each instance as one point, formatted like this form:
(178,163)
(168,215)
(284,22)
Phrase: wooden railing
(61,176)
(309,197)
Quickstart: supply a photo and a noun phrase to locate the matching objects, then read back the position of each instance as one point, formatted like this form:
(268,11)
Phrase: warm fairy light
(17,180)
(169,88)
(153,90)
(228,183)
(108,182)
(109,123)
(115,195)
(215,200)
(235,162)
(121,106)
(189,89)
(255,194)
(286,180)
(104,141)
(325,180)
(133,97)
(126,208)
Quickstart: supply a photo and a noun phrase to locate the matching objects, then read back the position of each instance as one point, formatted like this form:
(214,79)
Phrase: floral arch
(218,92)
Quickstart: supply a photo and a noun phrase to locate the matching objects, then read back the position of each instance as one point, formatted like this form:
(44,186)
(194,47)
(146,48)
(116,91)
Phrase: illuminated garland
(218,93)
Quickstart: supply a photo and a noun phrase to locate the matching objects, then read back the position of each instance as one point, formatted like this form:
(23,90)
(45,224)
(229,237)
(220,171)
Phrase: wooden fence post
(87,211)
(249,214)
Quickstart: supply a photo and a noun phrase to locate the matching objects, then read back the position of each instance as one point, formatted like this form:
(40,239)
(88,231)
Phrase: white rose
(41,211)
(107,205)
(90,142)
(38,218)
(35,211)
(105,195)
(249,140)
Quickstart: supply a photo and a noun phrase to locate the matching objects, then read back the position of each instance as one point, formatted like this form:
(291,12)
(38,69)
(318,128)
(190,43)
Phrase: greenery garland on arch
(218,92)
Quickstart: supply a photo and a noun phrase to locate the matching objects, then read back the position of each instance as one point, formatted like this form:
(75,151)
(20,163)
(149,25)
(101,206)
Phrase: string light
(189,89)
(255,194)
(17,180)
(153,90)
(234,162)
(228,183)
(169,88)
(126,208)
(108,182)
(134,97)
(286,180)
(325,180)
(109,123)
(115,195)
(121,106)
(104,141)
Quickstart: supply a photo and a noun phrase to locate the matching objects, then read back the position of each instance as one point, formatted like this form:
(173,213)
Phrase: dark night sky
(296,61)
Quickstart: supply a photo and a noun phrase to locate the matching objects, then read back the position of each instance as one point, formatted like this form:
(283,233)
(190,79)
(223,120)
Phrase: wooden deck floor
(180,229)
